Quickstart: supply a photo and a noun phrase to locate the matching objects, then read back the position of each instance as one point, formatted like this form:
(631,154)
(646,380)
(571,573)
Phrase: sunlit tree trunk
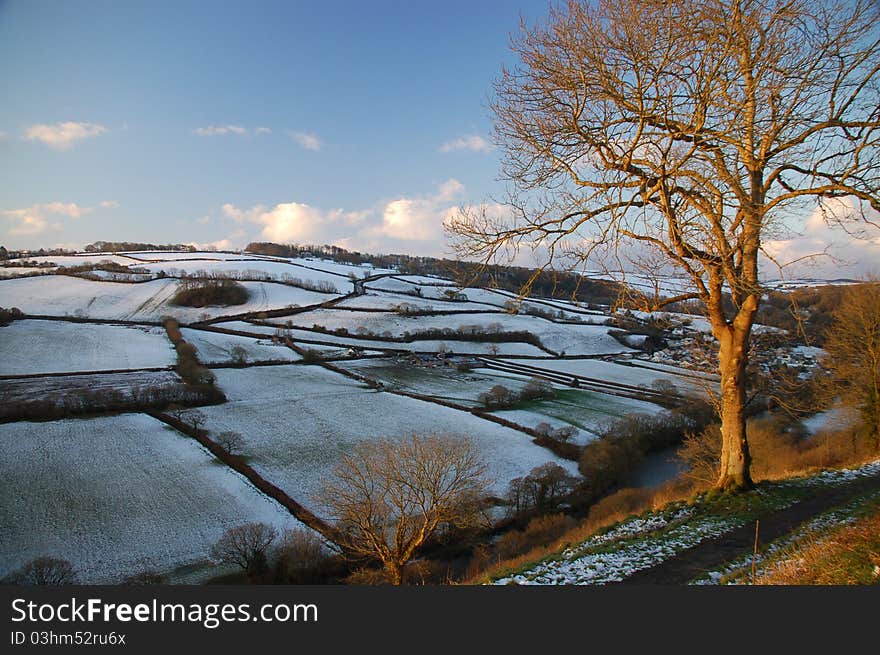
(735,457)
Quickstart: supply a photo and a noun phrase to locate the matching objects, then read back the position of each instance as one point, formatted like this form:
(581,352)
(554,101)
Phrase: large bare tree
(389,497)
(691,128)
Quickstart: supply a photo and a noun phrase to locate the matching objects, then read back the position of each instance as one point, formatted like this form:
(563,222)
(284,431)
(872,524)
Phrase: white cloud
(62,136)
(471,142)
(109,204)
(420,218)
(263,130)
(219,130)
(825,248)
(399,225)
(306,140)
(297,222)
(36,218)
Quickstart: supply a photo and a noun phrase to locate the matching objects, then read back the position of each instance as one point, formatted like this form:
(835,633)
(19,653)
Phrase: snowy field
(588,411)
(297,421)
(443,382)
(36,346)
(57,388)
(390,301)
(567,338)
(303,337)
(117,495)
(216,348)
(80,260)
(158,255)
(338,269)
(53,295)
(255,269)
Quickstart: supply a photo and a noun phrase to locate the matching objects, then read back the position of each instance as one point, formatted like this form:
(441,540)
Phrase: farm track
(713,554)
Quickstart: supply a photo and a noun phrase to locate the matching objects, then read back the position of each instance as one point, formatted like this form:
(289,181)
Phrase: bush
(498,397)
(44,571)
(298,557)
(543,488)
(9,315)
(537,389)
(540,531)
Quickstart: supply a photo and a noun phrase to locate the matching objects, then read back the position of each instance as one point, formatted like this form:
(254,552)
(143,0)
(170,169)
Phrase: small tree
(497,396)
(853,361)
(45,571)
(389,497)
(239,355)
(231,442)
(245,546)
(195,418)
(298,556)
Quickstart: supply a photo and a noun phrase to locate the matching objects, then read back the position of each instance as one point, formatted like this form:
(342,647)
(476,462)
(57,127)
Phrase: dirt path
(713,554)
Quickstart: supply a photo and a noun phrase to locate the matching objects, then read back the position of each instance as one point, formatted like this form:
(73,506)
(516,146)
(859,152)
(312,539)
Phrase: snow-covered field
(297,421)
(254,269)
(159,255)
(117,495)
(390,302)
(338,269)
(439,382)
(35,346)
(568,338)
(53,295)
(303,337)
(216,348)
(80,260)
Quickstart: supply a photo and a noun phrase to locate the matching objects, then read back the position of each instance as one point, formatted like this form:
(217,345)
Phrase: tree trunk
(735,456)
(395,570)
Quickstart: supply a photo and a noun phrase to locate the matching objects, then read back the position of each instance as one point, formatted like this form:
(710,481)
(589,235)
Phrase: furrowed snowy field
(117,495)
(35,346)
(297,421)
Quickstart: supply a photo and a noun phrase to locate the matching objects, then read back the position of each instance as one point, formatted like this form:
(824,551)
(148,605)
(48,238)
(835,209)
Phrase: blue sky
(362,124)
(142,121)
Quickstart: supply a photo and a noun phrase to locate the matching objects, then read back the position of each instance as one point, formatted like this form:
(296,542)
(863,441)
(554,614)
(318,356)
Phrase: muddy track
(713,554)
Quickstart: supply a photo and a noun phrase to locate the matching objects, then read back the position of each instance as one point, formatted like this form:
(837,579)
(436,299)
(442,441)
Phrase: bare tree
(389,497)
(853,361)
(195,418)
(246,546)
(231,442)
(239,355)
(45,571)
(694,127)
